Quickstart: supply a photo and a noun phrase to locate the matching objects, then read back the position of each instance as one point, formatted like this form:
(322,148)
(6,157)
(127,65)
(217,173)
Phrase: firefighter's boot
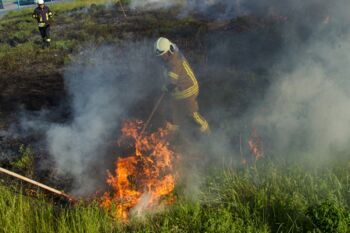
(202,122)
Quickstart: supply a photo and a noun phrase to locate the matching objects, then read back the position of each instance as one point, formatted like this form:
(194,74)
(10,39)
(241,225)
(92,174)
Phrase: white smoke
(218,9)
(306,107)
(309,105)
(151,4)
(304,111)
(103,84)
(227,8)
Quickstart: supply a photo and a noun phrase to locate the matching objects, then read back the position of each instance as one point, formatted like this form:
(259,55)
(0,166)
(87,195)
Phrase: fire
(255,144)
(145,179)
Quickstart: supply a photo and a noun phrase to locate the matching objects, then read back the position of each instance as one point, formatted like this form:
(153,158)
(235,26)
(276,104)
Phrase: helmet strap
(172,49)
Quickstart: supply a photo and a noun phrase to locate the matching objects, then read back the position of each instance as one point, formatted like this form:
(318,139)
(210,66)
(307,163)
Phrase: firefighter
(182,86)
(43,14)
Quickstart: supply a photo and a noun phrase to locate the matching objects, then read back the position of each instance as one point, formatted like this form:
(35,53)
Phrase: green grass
(267,197)
(22,214)
(20,42)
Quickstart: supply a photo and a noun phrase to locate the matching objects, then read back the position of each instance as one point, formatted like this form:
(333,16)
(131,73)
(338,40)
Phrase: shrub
(25,161)
(329,217)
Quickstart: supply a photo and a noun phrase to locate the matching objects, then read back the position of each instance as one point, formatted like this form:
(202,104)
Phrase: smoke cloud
(226,8)
(304,109)
(219,9)
(308,105)
(103,84)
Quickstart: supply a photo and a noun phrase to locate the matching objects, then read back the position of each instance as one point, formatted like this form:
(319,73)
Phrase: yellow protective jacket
(42,16)
(180,75)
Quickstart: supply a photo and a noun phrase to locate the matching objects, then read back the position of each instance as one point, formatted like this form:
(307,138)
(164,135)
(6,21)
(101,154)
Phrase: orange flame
(255,144)
(144,179)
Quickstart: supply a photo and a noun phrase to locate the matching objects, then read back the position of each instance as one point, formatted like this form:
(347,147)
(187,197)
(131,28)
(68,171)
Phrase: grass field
(20,41)
(267,197)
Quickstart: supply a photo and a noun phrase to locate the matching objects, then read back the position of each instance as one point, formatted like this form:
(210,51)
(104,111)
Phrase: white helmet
(40,2)
(163,45)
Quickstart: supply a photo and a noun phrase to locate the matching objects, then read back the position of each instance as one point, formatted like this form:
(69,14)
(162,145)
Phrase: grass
(267,197)
(20,42)
(22,214)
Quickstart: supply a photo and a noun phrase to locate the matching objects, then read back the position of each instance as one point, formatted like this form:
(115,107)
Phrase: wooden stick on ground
(69,198)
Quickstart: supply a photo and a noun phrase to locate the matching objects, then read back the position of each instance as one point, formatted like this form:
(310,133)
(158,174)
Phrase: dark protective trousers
(45,33)
(186,115)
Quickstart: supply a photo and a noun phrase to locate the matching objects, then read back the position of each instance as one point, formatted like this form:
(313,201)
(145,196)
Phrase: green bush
(25,162)
(329,217)
(65,45)
(20,36)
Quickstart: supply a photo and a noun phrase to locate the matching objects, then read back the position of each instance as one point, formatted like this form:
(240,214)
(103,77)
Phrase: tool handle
(156,106)
(3,170)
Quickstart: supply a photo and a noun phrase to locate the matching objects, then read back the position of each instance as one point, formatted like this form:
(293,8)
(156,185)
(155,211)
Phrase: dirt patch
(34,93)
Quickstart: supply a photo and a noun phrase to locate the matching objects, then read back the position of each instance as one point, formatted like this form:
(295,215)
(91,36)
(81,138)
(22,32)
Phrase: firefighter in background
(182,86)
(43,14)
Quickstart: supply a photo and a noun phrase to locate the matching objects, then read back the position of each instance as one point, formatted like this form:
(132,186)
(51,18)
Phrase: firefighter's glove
(168,88)
(165,89)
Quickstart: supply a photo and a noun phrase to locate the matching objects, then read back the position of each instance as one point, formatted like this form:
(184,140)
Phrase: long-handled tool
(121,6)
(62,194)
(156,106)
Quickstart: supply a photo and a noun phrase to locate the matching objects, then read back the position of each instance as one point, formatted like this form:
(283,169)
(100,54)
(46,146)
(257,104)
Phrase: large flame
(145,179)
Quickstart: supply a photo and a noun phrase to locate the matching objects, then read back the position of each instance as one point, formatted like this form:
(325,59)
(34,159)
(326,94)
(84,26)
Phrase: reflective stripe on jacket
(42,16)
(180,74)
